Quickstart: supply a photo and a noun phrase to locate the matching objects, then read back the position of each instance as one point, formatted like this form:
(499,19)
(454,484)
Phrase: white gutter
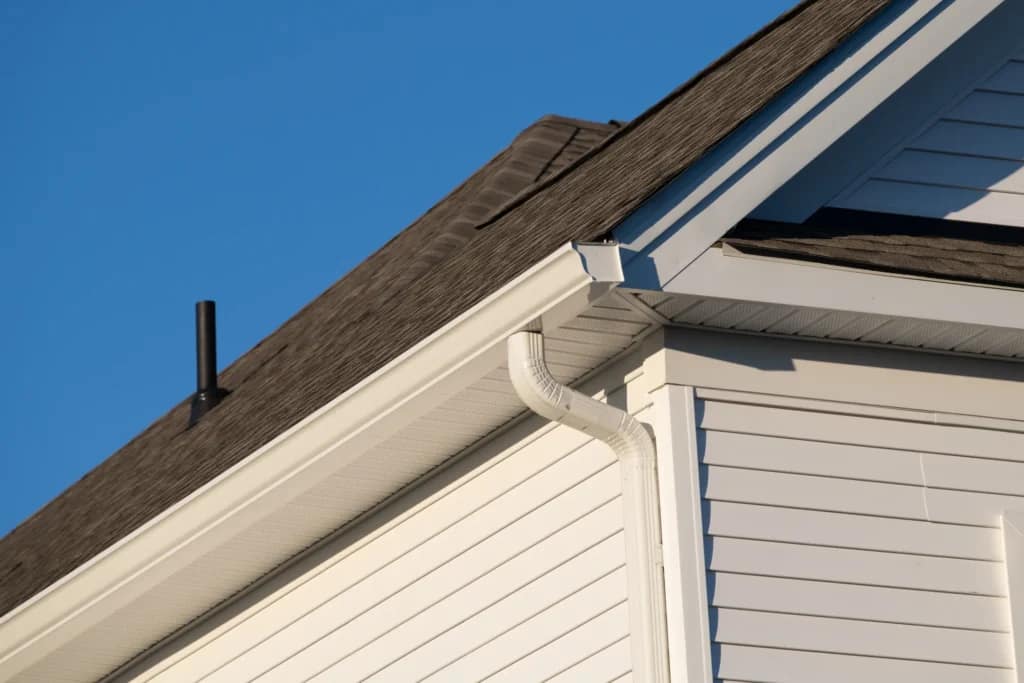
(630,441)
(103,590)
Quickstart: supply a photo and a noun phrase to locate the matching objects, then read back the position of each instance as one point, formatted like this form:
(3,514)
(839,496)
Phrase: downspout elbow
(634,447)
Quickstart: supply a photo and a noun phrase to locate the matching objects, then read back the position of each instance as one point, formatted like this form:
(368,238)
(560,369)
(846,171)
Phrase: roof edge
(626,127)
(728,273)
(550,292)
(672,228)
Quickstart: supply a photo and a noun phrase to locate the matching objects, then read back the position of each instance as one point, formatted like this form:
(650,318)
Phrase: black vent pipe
(208,394)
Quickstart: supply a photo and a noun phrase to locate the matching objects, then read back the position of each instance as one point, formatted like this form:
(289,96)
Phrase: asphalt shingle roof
(560,180)
(950,250)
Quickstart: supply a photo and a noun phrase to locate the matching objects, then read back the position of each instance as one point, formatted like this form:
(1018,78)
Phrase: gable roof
(560,181)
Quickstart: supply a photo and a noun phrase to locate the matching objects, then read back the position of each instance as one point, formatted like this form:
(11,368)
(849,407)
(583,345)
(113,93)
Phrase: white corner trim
(1013,540)
(688,215)
(552,291)
(796,283)
(682,528)
(629,439)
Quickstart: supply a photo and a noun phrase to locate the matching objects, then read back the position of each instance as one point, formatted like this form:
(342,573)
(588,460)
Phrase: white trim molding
(939,389)
(1013,540)
(682,519)
(322,445)
(686,217)
(629,440)
(728,274)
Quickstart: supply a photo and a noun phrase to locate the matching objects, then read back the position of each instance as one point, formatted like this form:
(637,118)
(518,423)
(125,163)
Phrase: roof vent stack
(208,394)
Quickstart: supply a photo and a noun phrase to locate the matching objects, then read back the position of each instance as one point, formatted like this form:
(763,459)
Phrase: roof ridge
(361,322)
(628,126)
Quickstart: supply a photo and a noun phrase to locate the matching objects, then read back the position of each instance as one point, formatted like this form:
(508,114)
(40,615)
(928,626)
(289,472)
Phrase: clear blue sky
(153,154)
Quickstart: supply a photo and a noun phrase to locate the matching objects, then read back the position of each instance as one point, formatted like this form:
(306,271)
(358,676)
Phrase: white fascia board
(796,283)
(687,216)
(550,292)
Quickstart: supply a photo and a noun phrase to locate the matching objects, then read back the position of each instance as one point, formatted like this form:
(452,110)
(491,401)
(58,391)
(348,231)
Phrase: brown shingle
(361,322)
(951,250)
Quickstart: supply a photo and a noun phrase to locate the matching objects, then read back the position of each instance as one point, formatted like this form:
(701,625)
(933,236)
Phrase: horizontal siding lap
(811,457)
(744,663)
(481,611)
(870,568)
(978,139)
(865,532)
(861,431)
(604,601)
(981,206)
(544,662)
(846,636)
(501,534)
(846,547)
(974,474)
(996,108)
(611,663)
(969,507)
(852,601)
(955,170)
(568,478)
(966,166)
(814,492)
(1010,78)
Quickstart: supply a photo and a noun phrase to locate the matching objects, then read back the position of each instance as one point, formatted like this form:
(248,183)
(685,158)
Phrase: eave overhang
(729,290)
(220,531)
(223,530)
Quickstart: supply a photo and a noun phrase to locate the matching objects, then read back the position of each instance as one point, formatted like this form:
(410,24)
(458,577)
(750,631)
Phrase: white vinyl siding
(509,565)
(853,544)
(851,510)
(967,165)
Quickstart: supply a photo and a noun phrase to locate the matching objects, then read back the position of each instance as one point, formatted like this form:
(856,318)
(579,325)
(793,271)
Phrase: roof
(929,247)
(561,180)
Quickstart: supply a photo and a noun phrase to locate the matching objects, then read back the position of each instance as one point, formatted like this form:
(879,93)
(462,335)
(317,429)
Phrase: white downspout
(634,447)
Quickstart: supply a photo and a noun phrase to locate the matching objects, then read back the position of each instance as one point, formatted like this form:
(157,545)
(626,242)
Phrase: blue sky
(153,154)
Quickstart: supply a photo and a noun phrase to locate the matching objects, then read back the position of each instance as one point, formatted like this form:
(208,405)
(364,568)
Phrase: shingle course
(463,249)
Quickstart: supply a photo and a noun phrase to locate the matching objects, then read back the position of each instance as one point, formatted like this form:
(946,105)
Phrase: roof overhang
(669,239)
(727,289)
(731,274)
(70,615)
(687,216)
(669,243)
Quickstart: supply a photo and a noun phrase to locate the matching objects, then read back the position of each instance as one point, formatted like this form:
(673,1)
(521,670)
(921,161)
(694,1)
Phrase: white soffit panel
(727,290)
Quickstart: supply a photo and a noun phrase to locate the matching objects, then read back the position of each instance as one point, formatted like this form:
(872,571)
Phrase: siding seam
(924,487)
